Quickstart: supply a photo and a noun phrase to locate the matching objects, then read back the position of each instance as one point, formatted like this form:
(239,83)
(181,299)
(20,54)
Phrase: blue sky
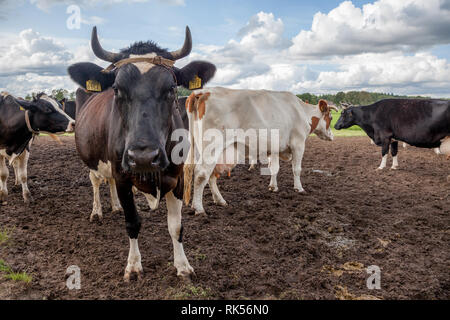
(363,45)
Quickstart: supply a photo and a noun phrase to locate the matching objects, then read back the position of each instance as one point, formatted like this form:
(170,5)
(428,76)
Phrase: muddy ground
(262,246)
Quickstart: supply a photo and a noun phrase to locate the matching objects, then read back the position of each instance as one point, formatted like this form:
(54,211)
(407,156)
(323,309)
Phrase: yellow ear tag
(21,108)
(92,85)
(196,83)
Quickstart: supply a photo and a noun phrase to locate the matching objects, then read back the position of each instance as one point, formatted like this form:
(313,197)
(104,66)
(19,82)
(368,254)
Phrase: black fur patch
(204,70)
(84,71)
(180,238)
(141,47)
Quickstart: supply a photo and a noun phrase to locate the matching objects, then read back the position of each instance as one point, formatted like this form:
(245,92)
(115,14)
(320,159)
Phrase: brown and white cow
(226,109)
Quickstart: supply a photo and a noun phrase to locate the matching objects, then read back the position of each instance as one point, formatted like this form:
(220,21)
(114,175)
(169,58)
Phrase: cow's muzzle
(71,126)
(146,160)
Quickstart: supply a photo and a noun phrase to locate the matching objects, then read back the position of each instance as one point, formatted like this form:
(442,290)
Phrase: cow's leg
(4,174)
(384,153)
(96,205)
(202,173)
(217,197)
(174,205)
(133,226)
(394,153)
(115,203)
(274,166)
(15,165)
(437,151)
(22,162)
(252,164)
(297,157)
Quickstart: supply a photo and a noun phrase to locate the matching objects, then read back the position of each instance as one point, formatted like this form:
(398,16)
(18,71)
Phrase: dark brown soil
(262,246)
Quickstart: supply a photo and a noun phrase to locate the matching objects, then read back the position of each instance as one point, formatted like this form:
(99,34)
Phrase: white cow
(224,109)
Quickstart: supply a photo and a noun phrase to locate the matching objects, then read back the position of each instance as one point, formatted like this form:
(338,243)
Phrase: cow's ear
(25,104)
(89,74)
(323,106)
(195,75)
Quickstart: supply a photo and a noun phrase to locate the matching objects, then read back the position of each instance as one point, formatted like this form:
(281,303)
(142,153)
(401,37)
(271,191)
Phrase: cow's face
(146,102)
(323,129)
(346,120)
(46,115)
(144,95)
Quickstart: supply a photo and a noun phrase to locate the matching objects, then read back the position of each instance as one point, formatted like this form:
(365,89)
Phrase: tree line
(352,97)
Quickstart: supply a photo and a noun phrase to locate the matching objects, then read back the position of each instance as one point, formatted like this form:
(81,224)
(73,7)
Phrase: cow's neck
(313,114)
(362,119)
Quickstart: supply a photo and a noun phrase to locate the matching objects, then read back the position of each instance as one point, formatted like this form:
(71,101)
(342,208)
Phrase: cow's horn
(100,52)
(186,49)
(332,106)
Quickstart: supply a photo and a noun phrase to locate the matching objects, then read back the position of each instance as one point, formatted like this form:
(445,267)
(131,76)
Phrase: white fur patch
(152,201)
(104,170)
(143,66)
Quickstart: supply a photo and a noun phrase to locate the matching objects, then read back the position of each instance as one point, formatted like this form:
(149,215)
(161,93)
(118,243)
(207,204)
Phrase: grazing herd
(128,114)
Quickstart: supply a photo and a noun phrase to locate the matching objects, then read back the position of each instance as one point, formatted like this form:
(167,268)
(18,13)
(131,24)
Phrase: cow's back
(91,129)
(419,122)
(253,109)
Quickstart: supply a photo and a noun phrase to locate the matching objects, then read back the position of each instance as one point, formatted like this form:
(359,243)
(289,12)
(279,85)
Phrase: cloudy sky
(321,46)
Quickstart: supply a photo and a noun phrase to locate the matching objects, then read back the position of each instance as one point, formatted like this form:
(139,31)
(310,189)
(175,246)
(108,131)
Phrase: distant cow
(222,109)
(124,133)
(420,123)
(68,107)
(20,121)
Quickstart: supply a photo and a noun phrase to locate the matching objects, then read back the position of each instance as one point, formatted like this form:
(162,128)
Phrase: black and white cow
(20,121)
(417,122)
(69,107)
(123,134)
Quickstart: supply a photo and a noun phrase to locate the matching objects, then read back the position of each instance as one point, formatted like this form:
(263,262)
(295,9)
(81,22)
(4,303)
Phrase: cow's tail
(189,167)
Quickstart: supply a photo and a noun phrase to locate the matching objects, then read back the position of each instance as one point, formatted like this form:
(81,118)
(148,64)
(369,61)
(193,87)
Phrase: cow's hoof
(199,212)
(94,215)
(394,167)
(27,198)
(133,275)
(380,168)
(117,210)
(3,197)
(299,190)
(273,189)
(186,273)
(221,203)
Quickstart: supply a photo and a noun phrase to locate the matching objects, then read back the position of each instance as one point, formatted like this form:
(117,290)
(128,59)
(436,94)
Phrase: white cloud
(421,73)
(385,25)
(34,53)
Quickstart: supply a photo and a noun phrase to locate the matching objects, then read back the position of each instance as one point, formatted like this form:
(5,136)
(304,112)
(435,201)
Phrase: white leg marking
(22,162)
(394,163)
(274,166)
(4,174)
(134,261)
(96,205)
(202,173)
(115,203)
(217,197)
(437,151)
(405,145)
(383,163)
(174,205)
(297,157)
